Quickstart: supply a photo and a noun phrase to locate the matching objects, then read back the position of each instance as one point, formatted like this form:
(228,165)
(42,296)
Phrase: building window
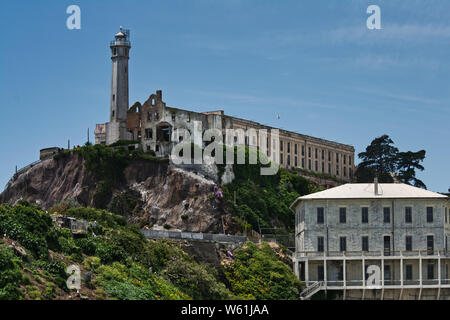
(446,218)
(303,163)
(323,167)
(303,150)
(345,159)
(156,116)
(365,243)
(309,152)
(114,51)
(387,272)
(320,246)
(343,244)
(295,147)
(408,243)
(387,215)
(408,215)
(343,215)
(430,245)
(345,171)
(296,162)
(288,160)
(337,169)
(337,157)
(329,155)
(409,272)
(365,215)
(323,154)
(320,215)
(281,145)
(114,97)
(315,153)
(309,164)
(281,158)
(349,160)
(289,147)
(149,117)
(429,214)
(148,148)
(350,172)
(316,165)
(173,116)
(188,117)
(329,168)
(148,134)
(157,148)
(320,273)
(387,245)
(430,271)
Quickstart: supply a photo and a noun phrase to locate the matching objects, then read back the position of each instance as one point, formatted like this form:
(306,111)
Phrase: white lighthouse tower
(116,128)
(120,49)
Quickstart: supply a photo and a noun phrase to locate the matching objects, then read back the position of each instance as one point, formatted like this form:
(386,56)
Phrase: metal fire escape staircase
(311,290)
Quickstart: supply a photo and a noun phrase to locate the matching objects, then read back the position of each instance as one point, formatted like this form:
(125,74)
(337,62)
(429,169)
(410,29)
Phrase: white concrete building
(374,241)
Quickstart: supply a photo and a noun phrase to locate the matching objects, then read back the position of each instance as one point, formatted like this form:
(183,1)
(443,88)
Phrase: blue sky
(313,62)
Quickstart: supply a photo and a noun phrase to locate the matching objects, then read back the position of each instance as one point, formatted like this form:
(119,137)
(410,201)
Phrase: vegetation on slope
(116,262)
(263,201)
(257,273)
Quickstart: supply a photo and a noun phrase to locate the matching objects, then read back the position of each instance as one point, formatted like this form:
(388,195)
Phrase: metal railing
(311,289)
(369,254)
(120,43)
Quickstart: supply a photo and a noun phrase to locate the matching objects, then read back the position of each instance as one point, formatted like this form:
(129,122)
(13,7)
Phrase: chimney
(375,185)
(159,95)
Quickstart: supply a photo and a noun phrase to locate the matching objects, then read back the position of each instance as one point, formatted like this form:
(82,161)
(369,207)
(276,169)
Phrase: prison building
(155,126)
(373,241)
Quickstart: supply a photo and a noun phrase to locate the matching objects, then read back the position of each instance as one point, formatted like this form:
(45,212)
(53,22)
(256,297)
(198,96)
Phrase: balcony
(358,255)
(120,43)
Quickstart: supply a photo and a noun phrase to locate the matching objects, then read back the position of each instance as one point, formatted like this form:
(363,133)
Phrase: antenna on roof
(127,33)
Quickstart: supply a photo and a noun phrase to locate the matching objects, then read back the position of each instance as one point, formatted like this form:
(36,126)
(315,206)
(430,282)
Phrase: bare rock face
(154,194)
(49,182)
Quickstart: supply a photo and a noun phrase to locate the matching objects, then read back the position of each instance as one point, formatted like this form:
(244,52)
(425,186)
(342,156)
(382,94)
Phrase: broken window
(148,134)
(163,133)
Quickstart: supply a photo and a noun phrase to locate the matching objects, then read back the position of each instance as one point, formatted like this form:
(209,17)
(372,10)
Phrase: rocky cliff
(151,193)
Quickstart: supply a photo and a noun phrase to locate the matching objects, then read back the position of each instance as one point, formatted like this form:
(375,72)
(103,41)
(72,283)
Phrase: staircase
(311,290)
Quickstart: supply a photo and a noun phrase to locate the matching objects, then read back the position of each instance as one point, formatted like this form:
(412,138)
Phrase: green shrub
(10,275)
(257,273)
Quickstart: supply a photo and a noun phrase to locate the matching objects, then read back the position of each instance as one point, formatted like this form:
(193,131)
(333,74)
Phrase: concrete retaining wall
(162,234)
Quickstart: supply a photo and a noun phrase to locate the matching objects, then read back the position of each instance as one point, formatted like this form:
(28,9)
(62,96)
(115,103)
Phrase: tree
(381,159)
(407,163)
(377,161)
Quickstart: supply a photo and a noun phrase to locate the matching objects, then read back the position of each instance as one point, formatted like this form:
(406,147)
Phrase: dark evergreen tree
(377,161)
(381,159)
(407,163)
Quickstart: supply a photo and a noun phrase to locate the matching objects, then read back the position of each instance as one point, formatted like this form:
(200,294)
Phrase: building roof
(367,191)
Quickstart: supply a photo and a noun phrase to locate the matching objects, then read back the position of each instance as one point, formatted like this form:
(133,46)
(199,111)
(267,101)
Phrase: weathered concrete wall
(375,229)
(161,234)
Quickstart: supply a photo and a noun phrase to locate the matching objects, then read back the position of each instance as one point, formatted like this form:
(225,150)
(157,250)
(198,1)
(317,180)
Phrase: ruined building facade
(156,125)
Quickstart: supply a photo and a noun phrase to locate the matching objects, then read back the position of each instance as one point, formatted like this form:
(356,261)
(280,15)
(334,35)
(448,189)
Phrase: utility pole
(88,136)
(68,144)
